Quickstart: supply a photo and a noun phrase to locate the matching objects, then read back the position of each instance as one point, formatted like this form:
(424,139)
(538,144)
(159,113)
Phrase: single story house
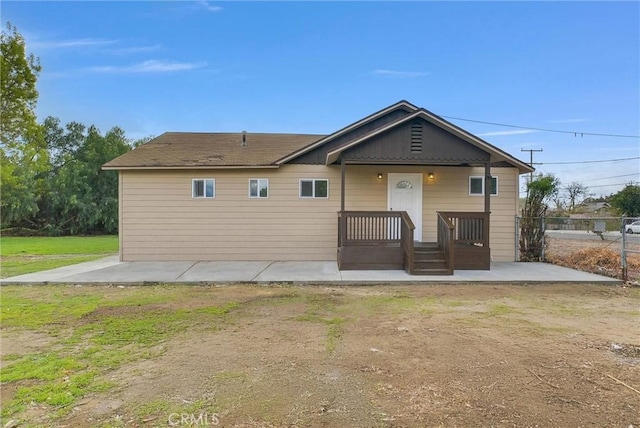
(399,189)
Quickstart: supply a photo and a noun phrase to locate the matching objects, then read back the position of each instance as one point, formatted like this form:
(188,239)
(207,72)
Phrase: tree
(83,199)
(22,152)
(18,75)
(574,191)
(23,182)
(627,201)
(540,190)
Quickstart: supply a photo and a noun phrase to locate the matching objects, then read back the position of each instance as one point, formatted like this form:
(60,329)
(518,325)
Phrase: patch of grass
(218,311)
(500,309)
(152,408)
(14,266)
(563,309)
(322,309)
(334,333)
(530,328)
(396,303)
(52,306)
(453,303)
(22,255)
(15,246)
(42,366)
(99,340)
(56,305)
(197,413)
(279,299)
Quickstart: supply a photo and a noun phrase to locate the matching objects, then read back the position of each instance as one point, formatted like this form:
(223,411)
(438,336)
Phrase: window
(476,185)
(404,184)
(205,188)
(258,188)
(314,188)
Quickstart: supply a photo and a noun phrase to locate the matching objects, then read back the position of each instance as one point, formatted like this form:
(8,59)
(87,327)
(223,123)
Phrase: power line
(593,187)
(637,174)
(575,133)
(589,161)
(607,185)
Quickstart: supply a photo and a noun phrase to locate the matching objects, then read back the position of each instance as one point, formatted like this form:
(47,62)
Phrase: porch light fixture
(379,176)
(431,175)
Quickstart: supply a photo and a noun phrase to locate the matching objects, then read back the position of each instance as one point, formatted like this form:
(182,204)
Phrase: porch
(384,240)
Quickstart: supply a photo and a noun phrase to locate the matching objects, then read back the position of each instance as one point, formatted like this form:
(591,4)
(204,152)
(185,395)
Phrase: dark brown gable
(318,156)
(415,141)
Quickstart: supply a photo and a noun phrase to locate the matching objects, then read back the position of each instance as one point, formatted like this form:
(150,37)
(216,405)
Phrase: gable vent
(416,137)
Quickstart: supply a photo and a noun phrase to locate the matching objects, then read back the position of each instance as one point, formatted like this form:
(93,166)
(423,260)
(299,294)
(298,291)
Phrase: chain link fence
(603,245)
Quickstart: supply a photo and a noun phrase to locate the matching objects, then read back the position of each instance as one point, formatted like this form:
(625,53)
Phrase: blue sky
(303,67)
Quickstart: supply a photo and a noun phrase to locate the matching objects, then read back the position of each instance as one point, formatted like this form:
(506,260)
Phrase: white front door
(405,194)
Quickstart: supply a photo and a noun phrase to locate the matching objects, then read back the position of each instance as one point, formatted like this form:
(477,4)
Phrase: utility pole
(531,161)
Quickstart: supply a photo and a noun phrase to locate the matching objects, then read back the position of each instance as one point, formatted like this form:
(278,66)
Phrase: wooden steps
(428,259)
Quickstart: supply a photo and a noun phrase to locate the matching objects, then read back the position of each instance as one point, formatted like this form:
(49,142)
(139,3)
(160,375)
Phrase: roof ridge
(345,129)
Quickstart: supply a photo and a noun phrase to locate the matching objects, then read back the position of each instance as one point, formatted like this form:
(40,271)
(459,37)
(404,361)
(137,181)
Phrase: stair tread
(431,272)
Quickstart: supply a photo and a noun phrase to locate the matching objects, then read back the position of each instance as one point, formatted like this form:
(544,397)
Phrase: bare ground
(383,356)
(595,256)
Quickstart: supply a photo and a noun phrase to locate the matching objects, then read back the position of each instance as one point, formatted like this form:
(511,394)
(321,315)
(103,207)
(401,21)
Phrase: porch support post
(342,178)
(487,187)
(487,205)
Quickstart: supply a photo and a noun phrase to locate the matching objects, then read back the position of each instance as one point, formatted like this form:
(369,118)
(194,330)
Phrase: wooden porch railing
(468,240)
(470,227)
(446,233)
(383,232)
(406,241)
(385,240)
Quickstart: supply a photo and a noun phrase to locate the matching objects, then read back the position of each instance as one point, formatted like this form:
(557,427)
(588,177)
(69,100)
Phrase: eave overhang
(497,156)
(147,168)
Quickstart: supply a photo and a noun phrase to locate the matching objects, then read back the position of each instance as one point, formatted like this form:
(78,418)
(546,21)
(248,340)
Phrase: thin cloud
(75,43)
(208,7)
(151,66)
(135,49)
(498,133)
(398,73)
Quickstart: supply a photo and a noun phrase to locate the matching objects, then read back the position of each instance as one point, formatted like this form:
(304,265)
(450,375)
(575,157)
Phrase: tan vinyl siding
(161,221)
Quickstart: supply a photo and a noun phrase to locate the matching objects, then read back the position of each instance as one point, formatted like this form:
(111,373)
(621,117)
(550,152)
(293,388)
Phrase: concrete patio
(110,271)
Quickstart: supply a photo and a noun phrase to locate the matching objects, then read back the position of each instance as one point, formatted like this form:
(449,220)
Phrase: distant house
(400,188)
(595,208)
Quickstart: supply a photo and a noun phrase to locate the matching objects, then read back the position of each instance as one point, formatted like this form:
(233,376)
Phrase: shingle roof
(192,150)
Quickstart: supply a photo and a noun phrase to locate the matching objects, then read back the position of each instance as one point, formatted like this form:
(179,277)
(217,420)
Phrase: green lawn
(22,255)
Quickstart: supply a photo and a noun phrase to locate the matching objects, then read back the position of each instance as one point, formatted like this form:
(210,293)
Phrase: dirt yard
(358,356)
(596,256)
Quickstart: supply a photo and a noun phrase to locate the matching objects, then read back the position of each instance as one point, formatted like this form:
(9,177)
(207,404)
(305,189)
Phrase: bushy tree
(627,201)
(51,178)
(18,76)
(539,191)
(83,199)
(23,155)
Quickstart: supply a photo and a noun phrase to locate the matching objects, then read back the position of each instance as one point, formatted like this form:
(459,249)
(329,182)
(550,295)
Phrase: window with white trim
(203,188)
(314,188)
(258,188)
(476,186)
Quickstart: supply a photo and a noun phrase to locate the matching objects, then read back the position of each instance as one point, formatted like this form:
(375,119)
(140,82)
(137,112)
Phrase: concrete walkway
(110,271)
